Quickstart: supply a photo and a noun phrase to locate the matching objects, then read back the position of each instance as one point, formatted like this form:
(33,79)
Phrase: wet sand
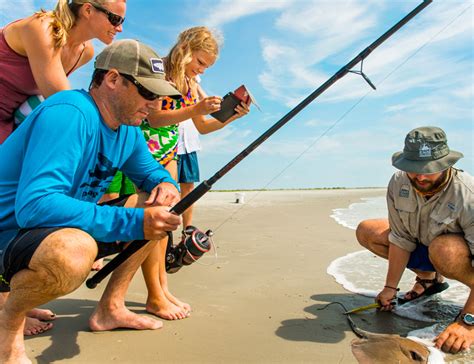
(258,303)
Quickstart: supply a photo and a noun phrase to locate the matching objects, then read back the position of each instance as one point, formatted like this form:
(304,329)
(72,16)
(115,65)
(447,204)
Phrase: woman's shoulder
(35,28)
(39,21)
(27,30)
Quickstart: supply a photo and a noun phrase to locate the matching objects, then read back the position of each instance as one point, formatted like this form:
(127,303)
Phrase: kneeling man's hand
(157,220)
(456,337)
(385,298)
(165,194)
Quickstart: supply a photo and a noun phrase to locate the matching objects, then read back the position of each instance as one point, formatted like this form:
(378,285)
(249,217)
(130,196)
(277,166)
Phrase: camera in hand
(193,245)
(230,102)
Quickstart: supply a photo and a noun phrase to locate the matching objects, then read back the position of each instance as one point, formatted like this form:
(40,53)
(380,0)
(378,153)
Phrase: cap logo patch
(424,151)
(157,65)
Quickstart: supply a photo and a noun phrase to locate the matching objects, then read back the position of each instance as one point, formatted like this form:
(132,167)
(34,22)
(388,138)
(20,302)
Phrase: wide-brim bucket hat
(426,151)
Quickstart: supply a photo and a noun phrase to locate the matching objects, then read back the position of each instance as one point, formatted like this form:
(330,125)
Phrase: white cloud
(325,19)
(286,72)
(432,104)
(315,123)
(465,92)
(227,140)
(227,11)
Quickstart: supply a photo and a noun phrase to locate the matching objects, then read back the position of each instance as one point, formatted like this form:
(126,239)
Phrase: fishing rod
(206,185)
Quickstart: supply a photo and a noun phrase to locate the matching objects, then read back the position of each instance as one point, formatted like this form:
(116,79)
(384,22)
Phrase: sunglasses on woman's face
(145,93)
(114,19)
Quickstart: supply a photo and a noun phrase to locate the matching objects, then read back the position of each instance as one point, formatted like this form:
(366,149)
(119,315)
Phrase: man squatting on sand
(37,54)
(430,228)
(51,229)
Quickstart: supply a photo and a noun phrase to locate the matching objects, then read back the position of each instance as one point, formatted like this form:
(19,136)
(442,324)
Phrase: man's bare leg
(157,302)
(111,312)
(373,235)
(451,257)
(59,265)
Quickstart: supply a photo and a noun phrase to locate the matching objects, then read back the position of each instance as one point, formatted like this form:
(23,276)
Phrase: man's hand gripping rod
(205,186)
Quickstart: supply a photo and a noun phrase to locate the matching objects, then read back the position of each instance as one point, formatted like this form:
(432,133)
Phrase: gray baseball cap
(133,58)
(426,151)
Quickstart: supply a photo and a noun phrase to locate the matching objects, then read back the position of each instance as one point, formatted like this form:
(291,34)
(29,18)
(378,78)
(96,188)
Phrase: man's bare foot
(12,346)
(166,309)
(106,319)
(98,264)
(34,326)
(41,314)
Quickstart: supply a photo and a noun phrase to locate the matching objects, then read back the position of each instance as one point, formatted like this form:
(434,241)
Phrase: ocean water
(439,309)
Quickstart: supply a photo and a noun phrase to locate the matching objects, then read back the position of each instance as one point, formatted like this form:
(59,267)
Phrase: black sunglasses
(144,92)
(114,19)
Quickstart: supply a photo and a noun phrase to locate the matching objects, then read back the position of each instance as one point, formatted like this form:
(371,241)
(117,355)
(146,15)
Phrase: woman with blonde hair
(196,49)
(37,54)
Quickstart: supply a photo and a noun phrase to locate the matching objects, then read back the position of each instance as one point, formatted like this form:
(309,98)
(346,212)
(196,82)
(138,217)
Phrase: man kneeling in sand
(430,228)
(55,167)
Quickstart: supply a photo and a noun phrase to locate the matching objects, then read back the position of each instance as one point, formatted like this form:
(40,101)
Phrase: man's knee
(439,247)
(64,258)
(447,250)
(364,231)
(371,232)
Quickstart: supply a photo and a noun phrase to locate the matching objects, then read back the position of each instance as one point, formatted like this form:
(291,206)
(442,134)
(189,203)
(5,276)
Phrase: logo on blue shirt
(102,171)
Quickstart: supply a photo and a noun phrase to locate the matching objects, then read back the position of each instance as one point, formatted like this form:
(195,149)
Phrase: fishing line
(349,110)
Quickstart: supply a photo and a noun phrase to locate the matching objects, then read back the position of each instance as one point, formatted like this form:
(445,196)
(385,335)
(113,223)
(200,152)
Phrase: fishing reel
(194,243)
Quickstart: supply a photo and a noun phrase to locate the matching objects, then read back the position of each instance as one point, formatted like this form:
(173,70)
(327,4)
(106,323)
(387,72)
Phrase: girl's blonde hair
(64,16)
(189,41)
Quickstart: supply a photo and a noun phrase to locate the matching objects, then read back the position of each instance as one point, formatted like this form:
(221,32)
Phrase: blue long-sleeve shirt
(59,162)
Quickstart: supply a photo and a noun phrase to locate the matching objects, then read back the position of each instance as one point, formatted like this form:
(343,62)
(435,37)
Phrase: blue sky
(283,50)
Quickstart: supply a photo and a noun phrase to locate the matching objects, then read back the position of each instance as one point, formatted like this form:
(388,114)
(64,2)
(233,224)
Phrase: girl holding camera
(195,51)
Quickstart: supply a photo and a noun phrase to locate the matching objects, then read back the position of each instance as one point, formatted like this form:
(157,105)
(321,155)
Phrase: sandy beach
(258,303)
